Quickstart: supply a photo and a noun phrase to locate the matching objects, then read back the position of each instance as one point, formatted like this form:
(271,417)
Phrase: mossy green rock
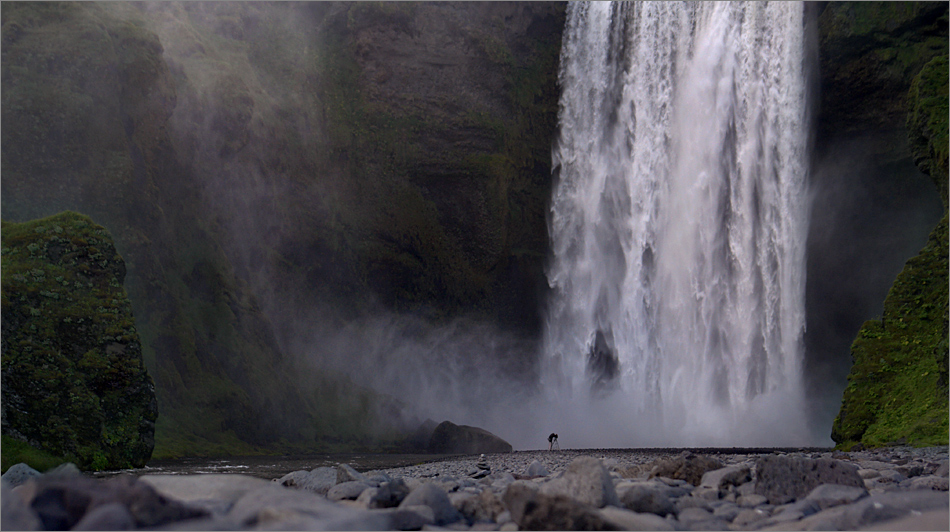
(870,52)
(74,382)
(897,388)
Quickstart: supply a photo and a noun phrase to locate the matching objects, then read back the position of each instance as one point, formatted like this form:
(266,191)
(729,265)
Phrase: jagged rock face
(74,383)
(894,56)
(869,53)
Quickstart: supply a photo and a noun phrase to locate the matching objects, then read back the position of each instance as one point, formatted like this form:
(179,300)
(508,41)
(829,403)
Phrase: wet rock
(929,482)
(449,438)
(276,507)
(648,498)
(532,510)
(784,478)
(830,495)
(727,511)
(628,520)
(734,475)
(318,481)
(752,500)
(874,509)
(387,495)
(112,516)
(483,507)
(347,490)
(748,516)
(215,492)
(408,518)
(15,513)
(19,474)
(603,366)
(536,469)
(346,473)
(433,497)
(587,481)
(688,467)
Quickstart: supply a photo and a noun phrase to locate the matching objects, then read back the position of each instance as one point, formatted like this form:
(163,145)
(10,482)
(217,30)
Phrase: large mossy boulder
(449,438)
(74,382)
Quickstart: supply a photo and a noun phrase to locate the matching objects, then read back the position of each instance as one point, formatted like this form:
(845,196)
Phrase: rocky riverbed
(883,489)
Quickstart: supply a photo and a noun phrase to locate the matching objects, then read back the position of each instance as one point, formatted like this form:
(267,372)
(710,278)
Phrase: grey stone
(433,497)
(929,520)
(910,470)
(929,482)
(60,501)
(481,507)
(782,479)
(15,513)
(387,495)
(449,438)
(694,514)
(346,473)
(829,495)
(68,469)
(687,466)
(18,474)
(868,473)
(943,470)
(734,475)
(709,494)
(628,520)
(408,518)
(893,475)
(221,487)
(533,510)
(683,503)
(749,516)
(727,512)
(275,506)
(751,501)
(587,481)
(875,509)
(318,481)
(111,516)
(536,469)
(648,498)
(347,490)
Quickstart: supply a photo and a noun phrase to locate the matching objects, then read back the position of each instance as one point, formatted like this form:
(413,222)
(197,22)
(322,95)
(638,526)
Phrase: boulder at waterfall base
(449,438)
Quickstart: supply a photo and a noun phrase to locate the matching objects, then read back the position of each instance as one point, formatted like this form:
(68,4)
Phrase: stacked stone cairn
(888,489)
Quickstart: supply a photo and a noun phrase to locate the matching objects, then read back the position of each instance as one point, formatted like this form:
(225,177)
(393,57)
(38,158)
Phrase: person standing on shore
(552,441)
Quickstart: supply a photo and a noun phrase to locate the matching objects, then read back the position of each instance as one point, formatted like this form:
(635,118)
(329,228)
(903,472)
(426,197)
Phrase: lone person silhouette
(552,441)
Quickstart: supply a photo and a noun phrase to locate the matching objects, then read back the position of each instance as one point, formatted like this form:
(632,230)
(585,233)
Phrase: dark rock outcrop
(449,438)
(786,478)
(74,382)
(689,467)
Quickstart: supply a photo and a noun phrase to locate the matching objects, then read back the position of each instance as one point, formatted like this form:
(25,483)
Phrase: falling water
(678,223)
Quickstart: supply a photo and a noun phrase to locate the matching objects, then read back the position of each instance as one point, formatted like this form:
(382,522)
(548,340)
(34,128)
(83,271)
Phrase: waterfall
(678,224)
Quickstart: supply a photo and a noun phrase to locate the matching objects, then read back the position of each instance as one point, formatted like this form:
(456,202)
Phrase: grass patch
(14,451)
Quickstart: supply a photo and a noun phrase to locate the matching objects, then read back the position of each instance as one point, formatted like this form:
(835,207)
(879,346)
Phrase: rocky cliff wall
(884,96)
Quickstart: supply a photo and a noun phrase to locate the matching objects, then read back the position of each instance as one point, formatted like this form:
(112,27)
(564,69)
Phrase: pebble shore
(883,489)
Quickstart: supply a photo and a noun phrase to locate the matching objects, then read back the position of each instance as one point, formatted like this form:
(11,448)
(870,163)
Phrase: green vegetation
(897,390)
(16,452)
(73,378)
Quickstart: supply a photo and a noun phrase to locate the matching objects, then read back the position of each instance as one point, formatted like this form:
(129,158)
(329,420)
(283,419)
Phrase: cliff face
(74,383)
(889,60)
(259,162)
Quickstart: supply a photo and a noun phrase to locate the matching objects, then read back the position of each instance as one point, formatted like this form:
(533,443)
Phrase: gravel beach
(896,488)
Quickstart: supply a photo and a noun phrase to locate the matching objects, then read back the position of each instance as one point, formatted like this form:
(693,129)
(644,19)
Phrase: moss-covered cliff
(74,382)
(897,389)
(259,162)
